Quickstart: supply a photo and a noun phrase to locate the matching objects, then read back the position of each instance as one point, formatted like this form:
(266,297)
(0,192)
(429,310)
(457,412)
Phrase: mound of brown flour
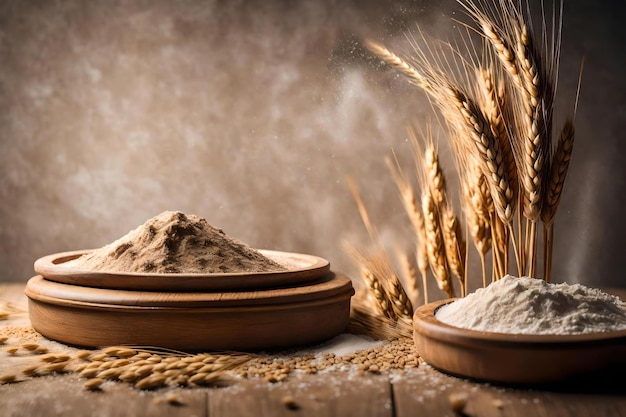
(174,242)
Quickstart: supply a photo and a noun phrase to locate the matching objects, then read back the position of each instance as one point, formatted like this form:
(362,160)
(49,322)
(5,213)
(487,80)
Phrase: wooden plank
(429,392)
(329,394)
(65,396)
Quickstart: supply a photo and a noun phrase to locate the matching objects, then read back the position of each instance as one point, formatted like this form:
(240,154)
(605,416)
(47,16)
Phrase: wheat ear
(454,244)
(554,189)
(435,244)
(489,150)
(414,76)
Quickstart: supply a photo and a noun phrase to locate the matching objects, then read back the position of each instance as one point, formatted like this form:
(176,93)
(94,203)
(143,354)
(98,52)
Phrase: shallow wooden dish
(513,359)
(242,321)
(302,268)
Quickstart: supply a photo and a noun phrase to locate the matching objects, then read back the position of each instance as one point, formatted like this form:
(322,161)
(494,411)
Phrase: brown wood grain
(65,396)
(315,395)
(430,392)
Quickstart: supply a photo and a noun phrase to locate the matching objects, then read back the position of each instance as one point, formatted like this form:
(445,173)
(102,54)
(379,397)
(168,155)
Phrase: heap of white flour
(531,306)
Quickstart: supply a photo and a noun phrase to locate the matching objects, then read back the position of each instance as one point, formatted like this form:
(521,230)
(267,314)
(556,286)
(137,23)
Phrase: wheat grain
(380,266)
(398,63)
(488,148)
(151,382)
(558,172)
(434,174)
(454,244)
(410,275)
(435,245)
(494,107)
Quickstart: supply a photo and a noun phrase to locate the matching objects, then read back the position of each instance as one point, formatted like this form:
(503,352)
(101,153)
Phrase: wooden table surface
(420,392)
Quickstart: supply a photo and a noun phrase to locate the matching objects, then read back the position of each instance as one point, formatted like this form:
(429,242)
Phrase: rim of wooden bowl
(310,268)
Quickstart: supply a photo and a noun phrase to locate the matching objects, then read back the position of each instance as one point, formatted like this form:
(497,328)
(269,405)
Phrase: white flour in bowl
(531,306)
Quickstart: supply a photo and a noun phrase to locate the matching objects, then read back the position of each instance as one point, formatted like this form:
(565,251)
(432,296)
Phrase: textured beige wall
(253,114)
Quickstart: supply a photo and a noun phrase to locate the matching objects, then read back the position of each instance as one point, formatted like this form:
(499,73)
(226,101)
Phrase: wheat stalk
(498,110)
(435,244)
(378,269)
(409,274)
(414,213)
(414,76)
(558,172)
(378,327)
(381,300)
(434,174)
(554,189)
(454,244)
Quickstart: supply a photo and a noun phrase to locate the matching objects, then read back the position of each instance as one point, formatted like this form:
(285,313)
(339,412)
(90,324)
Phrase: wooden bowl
(203,321)
(302,269)
(518,359)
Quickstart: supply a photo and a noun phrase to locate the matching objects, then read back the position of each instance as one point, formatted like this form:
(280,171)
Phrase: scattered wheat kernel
(125,353)
(93,384)
(498,403)
(61,357)
(289,402)
(11,350)
(94,365)
(7,379)
(173,399)
(89,372)
(111,351)
(30,346)
(175,365)
(79,368)
(198,378)
(169,373)
(99,357)
(143,355)
(458,401)
(118,363)
(111,373)
(41,349)
(195,366)
(144,370)
(3,340)
(82,354)
(151,382)
(30,370)
(4,315)
(181,380)
(50,357)
(56,367)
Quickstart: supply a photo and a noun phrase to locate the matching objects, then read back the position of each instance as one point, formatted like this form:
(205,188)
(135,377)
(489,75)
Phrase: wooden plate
(513,359)
(302,268)
(243,321)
